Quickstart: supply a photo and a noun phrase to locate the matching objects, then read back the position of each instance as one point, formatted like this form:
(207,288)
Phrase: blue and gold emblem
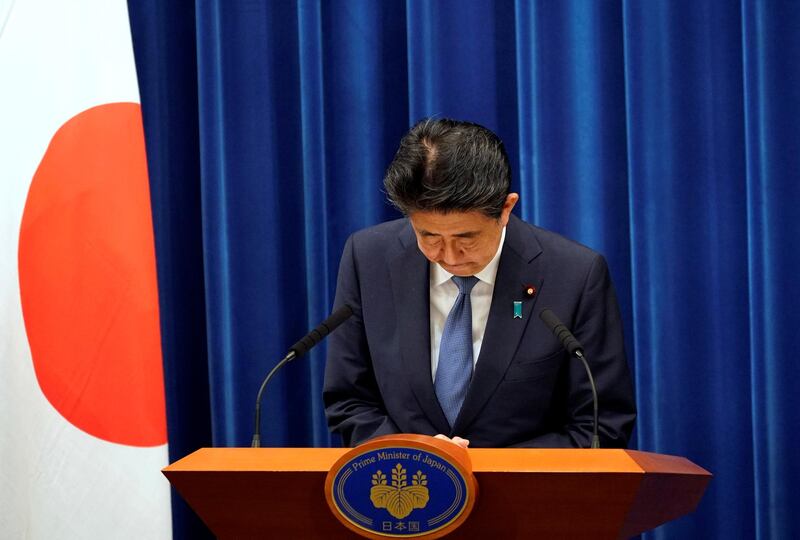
(399,491)
(399,499)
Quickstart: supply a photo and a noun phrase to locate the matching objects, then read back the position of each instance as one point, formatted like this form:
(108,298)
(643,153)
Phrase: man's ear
(508,206)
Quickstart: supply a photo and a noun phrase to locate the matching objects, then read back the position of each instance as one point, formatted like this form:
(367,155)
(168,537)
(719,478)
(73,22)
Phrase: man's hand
(463,443)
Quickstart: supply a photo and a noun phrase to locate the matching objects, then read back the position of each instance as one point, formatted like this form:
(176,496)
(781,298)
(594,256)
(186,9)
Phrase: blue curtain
(661,133)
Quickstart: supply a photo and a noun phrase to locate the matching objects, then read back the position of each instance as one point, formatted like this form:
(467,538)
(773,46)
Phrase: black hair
(447,165)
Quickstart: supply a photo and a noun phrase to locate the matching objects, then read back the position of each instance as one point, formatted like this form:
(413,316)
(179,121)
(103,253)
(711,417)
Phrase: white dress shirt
(443,294)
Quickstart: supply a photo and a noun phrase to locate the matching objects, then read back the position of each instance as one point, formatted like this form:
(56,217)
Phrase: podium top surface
(489,460)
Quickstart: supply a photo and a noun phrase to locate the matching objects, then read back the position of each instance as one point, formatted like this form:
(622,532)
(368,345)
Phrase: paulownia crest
(399,499)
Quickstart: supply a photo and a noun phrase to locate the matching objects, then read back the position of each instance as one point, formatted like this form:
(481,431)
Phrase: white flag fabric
(82,411)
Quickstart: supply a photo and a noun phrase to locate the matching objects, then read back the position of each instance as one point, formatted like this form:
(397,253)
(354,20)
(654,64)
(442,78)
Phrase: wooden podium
(524,493)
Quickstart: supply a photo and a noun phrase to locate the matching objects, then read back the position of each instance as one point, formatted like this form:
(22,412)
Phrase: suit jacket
(525,390)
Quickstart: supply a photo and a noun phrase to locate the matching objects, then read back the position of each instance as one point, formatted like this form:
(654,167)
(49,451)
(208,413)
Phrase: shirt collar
(439,275)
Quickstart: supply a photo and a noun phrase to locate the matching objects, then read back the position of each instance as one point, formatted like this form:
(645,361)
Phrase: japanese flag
(82,412)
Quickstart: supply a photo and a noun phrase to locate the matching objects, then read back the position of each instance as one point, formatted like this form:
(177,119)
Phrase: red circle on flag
(88,279)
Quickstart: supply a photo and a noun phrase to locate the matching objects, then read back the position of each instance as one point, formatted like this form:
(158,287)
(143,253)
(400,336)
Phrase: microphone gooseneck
(574,348)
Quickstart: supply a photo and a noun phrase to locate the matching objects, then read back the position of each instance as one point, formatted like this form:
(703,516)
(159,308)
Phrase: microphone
(296,351)
(574,348)
(317,334)
(568,341)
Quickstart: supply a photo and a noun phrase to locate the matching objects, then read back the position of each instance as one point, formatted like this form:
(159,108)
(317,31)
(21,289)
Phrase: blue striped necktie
(454,370)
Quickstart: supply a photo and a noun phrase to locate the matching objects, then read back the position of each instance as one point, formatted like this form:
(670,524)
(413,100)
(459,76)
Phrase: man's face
(462,243)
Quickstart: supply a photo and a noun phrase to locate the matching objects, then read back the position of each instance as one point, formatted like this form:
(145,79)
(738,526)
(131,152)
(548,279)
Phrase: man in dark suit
(445,338)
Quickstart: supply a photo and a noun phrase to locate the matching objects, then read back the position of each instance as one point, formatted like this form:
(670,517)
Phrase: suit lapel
(409,271)
(503,332)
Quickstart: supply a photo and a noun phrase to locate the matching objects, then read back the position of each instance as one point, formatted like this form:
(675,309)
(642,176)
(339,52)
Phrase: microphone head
(317,334)
(562,333)
(549,318)
(338,317)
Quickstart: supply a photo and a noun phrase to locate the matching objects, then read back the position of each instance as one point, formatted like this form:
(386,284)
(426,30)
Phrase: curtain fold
(662,134)
(771,60)
(689,217)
